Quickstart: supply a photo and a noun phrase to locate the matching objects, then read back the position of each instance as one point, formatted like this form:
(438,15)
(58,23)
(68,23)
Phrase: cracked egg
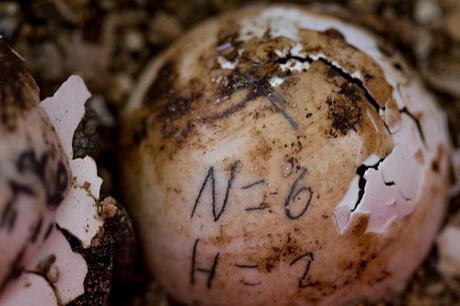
(48,199)
(279,156)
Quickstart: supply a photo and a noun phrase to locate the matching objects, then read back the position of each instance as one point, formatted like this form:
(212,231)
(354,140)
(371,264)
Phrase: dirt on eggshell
(226,88)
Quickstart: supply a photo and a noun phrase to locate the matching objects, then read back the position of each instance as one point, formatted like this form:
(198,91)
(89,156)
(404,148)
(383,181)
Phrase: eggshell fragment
(66,109)
(82,201)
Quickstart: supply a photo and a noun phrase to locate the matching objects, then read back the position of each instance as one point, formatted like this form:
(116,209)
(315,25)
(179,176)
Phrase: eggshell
(276,156)
(34,171)
(44,191)
(66,109)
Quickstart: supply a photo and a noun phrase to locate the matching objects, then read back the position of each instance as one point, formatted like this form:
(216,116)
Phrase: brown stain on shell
(258,50)
(344,109)
(179,112)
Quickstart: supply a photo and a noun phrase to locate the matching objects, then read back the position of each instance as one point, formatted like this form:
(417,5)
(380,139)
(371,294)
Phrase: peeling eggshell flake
(66,109)
(42,185)
(82,201)
(319,178)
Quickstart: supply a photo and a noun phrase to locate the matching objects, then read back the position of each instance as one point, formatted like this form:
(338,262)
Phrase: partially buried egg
(278,156)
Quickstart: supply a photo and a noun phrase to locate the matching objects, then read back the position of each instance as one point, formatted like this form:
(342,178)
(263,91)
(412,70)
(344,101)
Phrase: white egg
(276,156)
(34,171)
(45,194)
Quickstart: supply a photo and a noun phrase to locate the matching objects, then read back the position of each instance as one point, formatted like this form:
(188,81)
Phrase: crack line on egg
(356,81)
(353,80)
(361,172)
(407,112)
(392,183)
